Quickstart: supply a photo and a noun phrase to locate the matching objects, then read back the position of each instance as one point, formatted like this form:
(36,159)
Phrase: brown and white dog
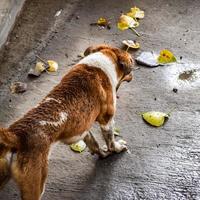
(86,94)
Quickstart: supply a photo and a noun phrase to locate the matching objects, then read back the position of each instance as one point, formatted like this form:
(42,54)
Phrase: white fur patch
(77,138)
(109,125)
(63,117)
(103,62)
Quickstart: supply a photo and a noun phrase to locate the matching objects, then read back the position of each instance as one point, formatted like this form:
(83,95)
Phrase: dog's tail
(5,173)
(8,138)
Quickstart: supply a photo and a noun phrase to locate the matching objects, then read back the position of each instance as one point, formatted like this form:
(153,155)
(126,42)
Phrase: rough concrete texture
(9,10)
(164,162)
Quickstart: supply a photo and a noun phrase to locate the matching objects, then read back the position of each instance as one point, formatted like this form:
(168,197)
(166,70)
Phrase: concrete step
(9,10)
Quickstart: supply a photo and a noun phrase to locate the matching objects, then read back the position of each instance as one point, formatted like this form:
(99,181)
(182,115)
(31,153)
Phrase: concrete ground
(164,162)
(9,10)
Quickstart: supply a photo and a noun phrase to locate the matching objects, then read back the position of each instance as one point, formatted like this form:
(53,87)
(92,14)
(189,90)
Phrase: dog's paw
(104,152)
(104,148)
(120,146)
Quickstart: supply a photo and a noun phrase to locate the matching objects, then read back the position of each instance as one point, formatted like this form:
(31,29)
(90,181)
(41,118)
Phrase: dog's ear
(93,49)
(88,51)
(125,67)
(125,61)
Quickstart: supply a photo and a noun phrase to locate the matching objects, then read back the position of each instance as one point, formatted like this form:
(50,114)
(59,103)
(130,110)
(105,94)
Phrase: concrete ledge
(9,10)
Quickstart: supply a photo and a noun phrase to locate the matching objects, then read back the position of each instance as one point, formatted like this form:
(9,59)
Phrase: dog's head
(124,62)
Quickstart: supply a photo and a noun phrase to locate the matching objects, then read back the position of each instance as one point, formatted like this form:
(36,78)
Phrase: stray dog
(87,93)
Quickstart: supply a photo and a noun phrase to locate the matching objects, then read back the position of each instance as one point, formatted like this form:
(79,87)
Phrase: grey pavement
(164,162)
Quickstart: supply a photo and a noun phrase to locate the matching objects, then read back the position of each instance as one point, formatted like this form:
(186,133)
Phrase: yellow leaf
(40,67)
(78,146)
(102,21)
(155,118)
(116,131)
(136,13)
(53,66)
(126,22)
(131,44)
(166,56)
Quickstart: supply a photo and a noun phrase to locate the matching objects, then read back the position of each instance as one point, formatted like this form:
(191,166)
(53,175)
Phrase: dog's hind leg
(94,146)
(44,176)
(4,166)
(4,172)
(29,172)
(108,134)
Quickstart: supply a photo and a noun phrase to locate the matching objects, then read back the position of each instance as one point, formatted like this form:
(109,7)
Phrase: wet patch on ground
(184,76)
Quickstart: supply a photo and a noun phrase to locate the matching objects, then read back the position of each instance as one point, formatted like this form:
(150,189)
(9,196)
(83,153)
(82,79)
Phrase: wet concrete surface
(164,162)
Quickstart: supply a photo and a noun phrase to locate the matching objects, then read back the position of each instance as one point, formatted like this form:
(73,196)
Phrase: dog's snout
(128,77)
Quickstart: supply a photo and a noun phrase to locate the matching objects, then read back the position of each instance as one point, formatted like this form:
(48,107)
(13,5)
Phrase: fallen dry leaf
(136,13)
(102,21)
(52,66)
(125,22)
(40,66)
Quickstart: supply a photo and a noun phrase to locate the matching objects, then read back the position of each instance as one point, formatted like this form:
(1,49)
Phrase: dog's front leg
(108,134)
(94,146)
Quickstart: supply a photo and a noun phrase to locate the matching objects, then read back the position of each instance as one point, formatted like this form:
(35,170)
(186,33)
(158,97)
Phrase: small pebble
(175,90)
(18,87)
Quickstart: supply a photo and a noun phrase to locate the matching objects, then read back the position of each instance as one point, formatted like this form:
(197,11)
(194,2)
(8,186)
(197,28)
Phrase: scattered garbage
(155,118)
(131,44)
(43,65)
(151,59)
(148,59)
(78,146)
(18,87)
(58,13)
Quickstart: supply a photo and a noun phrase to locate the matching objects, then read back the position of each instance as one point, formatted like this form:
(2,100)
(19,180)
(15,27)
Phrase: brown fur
(85,95)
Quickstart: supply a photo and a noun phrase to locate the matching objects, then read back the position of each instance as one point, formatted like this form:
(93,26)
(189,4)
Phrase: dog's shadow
(101,180)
